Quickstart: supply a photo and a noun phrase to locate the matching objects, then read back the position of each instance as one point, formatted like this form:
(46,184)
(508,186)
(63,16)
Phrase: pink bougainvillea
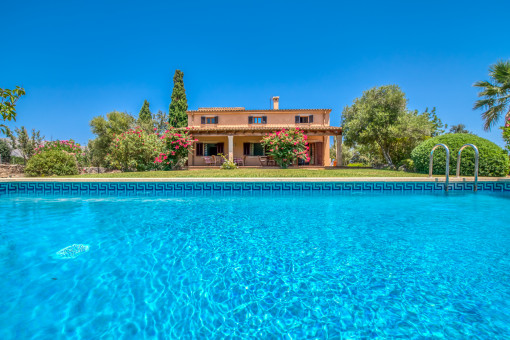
(286,146)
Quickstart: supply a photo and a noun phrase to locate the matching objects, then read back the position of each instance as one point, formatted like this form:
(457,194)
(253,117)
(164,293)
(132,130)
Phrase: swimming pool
(313,263)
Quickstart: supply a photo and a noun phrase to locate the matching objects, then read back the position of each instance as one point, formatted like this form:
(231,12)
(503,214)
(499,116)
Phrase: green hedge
(494,160)
(50,163)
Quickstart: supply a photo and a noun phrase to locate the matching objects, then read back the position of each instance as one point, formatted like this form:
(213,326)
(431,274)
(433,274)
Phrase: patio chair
(263,160)
(208,160)
(239,161)
(271,161)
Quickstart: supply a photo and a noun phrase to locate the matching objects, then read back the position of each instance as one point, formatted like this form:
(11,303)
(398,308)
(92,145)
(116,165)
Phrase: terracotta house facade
(236,132)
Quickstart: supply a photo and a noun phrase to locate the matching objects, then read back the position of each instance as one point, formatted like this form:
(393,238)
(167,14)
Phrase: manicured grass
(250,172)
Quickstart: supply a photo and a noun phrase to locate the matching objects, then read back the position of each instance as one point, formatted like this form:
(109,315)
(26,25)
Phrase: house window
(200,149)
(257,120)
(212,149)
(253,149)
(209,120)
(304,119)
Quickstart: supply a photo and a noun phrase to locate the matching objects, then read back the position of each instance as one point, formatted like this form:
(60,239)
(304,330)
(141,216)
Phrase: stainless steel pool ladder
(477,156)
(447,173)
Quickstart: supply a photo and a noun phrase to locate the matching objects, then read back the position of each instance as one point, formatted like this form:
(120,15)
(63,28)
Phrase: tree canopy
(380,120)
(24,143)
(459,128)
(8,99)
(495,94)
(145,114)
(179,104)
(106,128)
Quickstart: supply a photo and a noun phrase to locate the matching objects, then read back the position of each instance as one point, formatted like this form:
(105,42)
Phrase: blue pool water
(268,266)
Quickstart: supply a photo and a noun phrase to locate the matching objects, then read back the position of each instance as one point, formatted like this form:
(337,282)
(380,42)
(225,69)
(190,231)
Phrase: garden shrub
(135,150)
(227,164)
(177,145)
(69,146)
(357,165)
(286,146)
(5,151)
(494,160)
(406,165)
(50,163)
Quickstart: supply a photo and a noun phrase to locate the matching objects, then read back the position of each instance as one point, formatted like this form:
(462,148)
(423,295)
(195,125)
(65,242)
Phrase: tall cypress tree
(145,114)
(179,104)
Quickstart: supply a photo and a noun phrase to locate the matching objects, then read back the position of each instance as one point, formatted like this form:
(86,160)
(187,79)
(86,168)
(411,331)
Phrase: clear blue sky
(80,59)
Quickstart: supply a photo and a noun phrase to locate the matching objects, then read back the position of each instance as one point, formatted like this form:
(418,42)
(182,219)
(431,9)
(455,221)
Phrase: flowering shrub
(286,146)
(506,132)
(135,150)
(177,145)
(67,146)
(52,162)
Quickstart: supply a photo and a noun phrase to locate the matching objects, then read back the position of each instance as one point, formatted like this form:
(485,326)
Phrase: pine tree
(179,104)
(145,114)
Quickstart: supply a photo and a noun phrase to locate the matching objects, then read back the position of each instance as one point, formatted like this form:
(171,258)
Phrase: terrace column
(231,148)
(339,150)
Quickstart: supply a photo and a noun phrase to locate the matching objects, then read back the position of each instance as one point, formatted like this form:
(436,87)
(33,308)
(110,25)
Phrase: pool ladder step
(447,172)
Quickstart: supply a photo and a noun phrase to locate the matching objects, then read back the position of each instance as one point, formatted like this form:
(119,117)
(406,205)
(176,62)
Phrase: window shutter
(200,149)
(264,119)
(202,120)
(297,119)
(216,120)
(250,120)
(246,149)
(219,148)
(310,119)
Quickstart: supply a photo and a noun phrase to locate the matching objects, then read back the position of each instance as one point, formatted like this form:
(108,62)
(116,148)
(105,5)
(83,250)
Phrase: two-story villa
(237,132)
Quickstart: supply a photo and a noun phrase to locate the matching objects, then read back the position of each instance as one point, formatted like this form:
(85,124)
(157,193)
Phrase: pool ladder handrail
(477,156)
(447,173)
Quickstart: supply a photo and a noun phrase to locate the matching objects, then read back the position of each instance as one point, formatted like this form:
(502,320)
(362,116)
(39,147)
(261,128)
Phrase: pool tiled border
(212,187)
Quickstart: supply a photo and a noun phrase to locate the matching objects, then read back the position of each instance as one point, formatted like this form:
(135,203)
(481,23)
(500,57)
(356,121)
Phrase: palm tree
(495,94)
(460,128)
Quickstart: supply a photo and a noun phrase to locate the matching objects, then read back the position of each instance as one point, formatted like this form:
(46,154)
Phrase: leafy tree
(115,123)
(160,120)
(495,94)
(8,99)
(460,128)
(379,119)
(145,114)
(5,152)
(438,128)
(26,144)
(135,150)
(179,103)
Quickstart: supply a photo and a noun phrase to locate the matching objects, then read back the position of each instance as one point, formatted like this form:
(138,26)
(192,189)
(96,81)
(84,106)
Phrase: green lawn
(201,173)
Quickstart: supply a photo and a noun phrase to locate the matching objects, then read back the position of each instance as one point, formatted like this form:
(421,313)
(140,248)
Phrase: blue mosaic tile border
(170,188)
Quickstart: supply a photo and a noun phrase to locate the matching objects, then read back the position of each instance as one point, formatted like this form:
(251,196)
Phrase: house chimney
(275,102)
